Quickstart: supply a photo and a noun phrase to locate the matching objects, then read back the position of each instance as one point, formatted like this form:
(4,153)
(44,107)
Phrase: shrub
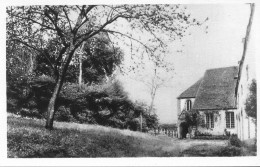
(63,114)
(198,133)
(12,105)
(34,113)
(134,124)
(214,137)
(229,151)
(106,104)
(234,141)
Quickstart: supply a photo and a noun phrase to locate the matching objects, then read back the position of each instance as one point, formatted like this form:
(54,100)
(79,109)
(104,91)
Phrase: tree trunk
(55,94)
(31,64)
(51,106)
(151,106)
(152,102)
(80,63)
(141,124)
(80,70)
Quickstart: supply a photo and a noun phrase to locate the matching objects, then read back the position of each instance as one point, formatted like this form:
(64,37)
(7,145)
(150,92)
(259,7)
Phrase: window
(230,121)
(209,120)
(188,105)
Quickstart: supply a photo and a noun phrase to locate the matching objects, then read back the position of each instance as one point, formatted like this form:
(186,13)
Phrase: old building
(213,97)
(220,96)
(247,72)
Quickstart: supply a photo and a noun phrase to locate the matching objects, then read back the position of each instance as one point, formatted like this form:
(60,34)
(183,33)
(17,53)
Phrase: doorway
(183,130)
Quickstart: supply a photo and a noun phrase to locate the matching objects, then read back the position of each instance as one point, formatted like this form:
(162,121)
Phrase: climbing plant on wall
(194,118)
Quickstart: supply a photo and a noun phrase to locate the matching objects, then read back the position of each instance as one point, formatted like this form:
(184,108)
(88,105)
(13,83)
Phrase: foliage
(211,137)
(33,113)
(194,118)
(250,147)
(234,141)
(251,101)
(51,31)
(152,121)
(229,151)
(63,114)
(99,58)
(168,126)
(105,104)
(198,133)
(102,60)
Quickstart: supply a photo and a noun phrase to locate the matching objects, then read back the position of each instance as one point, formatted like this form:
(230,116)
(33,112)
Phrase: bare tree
(160,76)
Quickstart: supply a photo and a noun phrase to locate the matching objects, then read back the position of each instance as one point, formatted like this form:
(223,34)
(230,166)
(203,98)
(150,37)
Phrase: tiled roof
(217,89)
(191,91)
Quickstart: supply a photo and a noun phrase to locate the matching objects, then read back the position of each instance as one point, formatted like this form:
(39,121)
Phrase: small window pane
(212,120)
(230,120)
(207,120)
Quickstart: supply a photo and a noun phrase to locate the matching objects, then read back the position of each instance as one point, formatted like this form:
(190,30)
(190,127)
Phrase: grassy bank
(29,138)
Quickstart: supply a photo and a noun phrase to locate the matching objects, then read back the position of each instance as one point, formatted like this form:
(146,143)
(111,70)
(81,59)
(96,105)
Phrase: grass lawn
(29,138)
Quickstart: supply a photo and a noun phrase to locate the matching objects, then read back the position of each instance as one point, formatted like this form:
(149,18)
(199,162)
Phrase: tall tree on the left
(56,32)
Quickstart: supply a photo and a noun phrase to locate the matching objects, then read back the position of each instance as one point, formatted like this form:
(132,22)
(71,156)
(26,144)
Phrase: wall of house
(246,127)
(219,123)
(182,103)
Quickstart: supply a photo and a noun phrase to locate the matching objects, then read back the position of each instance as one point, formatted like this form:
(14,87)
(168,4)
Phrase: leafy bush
(213,137)
(63,114)
(229,151)
(105,104)
(34,113)
(12,105)
(168,126)
(234,141)
(198,133)
(134,124)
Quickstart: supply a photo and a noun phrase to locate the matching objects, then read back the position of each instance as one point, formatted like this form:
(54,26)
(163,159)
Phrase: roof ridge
(189,92)
(221,68)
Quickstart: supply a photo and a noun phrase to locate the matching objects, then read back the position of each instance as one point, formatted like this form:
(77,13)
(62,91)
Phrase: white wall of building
(182,104)
(219,123)
(246,127)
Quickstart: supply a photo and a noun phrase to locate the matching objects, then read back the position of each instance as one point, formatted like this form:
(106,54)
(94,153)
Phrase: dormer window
(188,105)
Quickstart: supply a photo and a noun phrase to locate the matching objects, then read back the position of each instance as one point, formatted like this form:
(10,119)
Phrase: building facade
(213,97)
(220,96)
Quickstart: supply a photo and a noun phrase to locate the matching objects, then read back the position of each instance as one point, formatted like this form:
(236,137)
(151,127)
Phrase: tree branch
(67,17)
(36,49)
(57,28)
(27,18)
(116,32)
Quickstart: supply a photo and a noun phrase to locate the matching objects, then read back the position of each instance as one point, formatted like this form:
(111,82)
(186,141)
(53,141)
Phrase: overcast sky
(218,46)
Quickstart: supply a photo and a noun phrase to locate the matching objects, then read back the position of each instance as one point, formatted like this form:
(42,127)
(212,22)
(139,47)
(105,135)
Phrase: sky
(218,46)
